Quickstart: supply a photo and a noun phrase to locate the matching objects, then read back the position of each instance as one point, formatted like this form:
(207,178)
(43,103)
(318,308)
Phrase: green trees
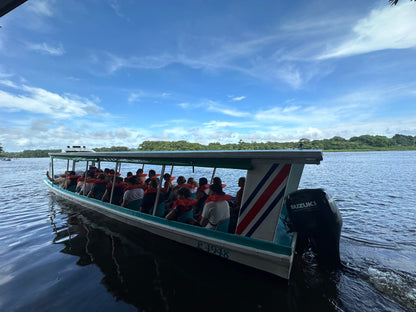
(357,143)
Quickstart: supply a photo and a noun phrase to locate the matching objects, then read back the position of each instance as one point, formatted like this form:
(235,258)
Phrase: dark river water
(57,256)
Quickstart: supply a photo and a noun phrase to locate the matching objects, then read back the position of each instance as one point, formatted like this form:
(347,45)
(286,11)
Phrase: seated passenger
(203,185)
(152,175)
(71,181)
(174,196)
(61,180)
(98,188)
(193,186)
(140,171)
(216,211)
(168,185)
(182,209)
(118,192)
(201,196)
(134,192)
(149,197)
(87,185)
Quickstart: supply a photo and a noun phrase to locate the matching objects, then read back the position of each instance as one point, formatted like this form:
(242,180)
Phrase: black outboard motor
(314,215)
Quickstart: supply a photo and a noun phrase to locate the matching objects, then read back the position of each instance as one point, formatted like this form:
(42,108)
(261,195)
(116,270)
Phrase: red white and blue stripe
(264,200)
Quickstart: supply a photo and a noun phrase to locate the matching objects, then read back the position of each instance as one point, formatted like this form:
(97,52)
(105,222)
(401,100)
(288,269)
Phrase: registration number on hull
(213,249)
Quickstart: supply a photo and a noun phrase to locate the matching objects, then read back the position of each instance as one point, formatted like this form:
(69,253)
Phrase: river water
(57,256)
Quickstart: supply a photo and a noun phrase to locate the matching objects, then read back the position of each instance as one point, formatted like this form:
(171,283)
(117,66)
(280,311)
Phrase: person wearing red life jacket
(133,192)
(182,209)
(201,195)
(168,184)
(118,192)
(98,188)
(87,185)
(216,210)
(149,197)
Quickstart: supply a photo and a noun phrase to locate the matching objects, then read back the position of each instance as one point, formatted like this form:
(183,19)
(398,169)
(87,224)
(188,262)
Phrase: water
(57,256)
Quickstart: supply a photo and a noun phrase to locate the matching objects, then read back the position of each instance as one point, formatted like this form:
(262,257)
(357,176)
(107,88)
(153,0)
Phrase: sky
(107,73)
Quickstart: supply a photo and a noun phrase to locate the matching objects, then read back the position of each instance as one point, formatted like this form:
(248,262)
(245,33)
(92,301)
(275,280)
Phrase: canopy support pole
(213,174)
(85,179)
(158,190)
(53,176)
(114,182)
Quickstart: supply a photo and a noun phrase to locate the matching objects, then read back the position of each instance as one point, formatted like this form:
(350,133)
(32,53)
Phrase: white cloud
(386,28)
(41,7)
(134,97)
(40,101)
(216,107)
(44,47)
(238,98)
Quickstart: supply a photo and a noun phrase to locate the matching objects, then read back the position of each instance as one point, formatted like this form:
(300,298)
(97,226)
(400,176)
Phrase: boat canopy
(211,159)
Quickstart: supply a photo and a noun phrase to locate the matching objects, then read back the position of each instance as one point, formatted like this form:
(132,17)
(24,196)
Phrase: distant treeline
(359,143)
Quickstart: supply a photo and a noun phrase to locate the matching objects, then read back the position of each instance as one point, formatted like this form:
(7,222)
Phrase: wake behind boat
(271,216)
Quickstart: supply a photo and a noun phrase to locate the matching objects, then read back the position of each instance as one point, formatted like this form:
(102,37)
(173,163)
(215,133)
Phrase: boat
(274,214)
(76,148)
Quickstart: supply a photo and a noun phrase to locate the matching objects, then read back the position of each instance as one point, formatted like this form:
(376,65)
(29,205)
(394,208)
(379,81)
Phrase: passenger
(216,212)
(174,196)
(180,182)
(129,174)
(168,185)
(71,182)
(139,172)
(118,191)
(235,205)
(80,183)
(87,185)
(149,197)
(193,186)
(182,209)
(61,180)
(201,196)
(203,185)
(133,191)
(98,188)
(152,175)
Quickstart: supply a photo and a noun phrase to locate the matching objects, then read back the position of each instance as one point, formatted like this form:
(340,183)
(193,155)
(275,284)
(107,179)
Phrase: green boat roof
(212,159)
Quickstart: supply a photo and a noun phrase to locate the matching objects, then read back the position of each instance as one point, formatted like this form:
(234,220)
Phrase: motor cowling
(314,215)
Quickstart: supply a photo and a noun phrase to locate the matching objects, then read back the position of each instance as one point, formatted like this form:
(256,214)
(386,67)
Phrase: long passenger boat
(273,211)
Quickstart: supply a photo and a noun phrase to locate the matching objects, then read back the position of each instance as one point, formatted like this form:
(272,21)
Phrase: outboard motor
(314,215)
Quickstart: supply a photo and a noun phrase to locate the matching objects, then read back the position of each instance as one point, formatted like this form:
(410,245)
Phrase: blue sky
(104,73)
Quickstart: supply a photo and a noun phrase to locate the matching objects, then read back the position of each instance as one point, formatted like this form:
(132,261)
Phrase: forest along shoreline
(363,143)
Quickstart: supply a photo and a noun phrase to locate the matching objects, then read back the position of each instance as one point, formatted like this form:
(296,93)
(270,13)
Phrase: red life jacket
(217,197)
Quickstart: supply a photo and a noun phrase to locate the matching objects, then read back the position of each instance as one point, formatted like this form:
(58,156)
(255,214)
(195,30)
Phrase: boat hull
(262,255)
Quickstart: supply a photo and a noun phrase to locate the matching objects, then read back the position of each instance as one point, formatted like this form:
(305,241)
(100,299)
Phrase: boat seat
(223,225)
(135,204)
